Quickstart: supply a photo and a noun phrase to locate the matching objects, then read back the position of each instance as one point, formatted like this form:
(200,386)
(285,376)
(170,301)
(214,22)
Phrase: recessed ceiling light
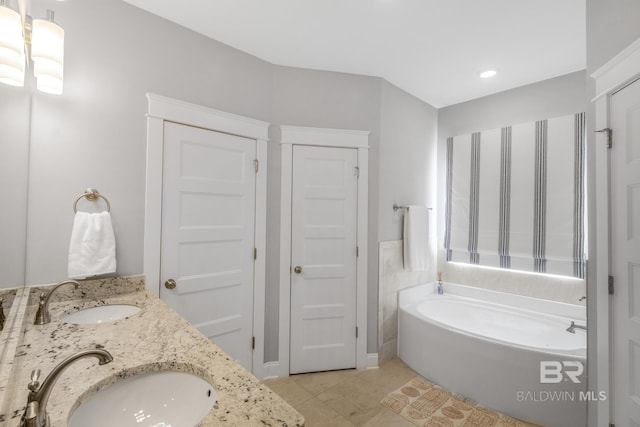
(487,74)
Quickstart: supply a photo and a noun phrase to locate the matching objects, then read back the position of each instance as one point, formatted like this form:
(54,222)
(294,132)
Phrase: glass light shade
(12,58)
(47,67)
(47,52)
(49,84)
(11,38)
(12,70)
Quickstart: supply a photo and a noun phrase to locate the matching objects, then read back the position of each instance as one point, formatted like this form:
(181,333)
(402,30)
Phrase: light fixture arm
(22,10)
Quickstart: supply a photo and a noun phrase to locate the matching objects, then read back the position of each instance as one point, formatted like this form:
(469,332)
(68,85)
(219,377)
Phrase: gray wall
(95,134)
(611,26)
(549,98)
(408,129)
(15,106)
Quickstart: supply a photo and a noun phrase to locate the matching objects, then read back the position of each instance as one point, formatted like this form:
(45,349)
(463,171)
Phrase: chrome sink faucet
(35,414)
(573,327)
(42,316)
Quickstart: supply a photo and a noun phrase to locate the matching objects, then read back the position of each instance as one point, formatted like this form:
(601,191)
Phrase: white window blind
(515,197)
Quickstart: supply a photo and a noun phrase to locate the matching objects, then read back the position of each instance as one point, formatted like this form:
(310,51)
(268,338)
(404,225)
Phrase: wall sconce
(12,57)
(46,41)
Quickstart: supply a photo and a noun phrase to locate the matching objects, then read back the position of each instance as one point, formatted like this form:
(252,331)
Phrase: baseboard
(372,360)
(271,370)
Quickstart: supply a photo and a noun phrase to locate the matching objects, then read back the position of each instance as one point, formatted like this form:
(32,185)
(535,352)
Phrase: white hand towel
(416,238)
(92,250)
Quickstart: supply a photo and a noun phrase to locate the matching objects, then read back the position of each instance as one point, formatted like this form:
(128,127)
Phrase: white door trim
(610,77)
(162,109)
(296,135)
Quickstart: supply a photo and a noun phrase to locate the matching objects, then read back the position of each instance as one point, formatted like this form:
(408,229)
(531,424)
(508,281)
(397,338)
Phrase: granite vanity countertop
(7,297)
(154,339)
(9,338)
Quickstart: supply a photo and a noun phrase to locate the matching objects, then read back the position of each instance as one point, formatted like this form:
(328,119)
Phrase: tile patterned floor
(346,398)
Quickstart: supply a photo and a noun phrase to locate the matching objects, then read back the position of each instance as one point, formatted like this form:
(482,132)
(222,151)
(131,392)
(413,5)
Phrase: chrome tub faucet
(42,316)
(440,288)
(35,414)
(572,328)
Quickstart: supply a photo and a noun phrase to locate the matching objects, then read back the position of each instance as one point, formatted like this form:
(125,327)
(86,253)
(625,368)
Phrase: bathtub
(507,352)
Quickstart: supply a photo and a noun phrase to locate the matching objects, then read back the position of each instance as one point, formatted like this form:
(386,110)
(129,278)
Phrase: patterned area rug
(427,405)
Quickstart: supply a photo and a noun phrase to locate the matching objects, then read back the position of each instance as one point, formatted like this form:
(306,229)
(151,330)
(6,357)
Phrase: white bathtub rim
(577,353)
(575,312)
(428,291)
(561,320)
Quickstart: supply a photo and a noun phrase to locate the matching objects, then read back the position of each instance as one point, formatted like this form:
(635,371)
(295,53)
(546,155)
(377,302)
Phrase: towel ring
(397,207)
(93,195)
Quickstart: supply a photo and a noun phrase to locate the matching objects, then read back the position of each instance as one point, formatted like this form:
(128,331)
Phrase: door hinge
(612,425)
(253,343)
(356,332)
(357,251)
(255,253)
(357,169)
(611,285)
(256,162)
(609,133)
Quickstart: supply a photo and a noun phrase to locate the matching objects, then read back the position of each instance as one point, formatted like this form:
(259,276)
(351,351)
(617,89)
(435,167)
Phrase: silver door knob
(297,269)
(170,284)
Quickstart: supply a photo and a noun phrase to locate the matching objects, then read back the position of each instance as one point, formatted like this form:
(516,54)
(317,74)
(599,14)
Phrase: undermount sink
(101,314)
(153,399)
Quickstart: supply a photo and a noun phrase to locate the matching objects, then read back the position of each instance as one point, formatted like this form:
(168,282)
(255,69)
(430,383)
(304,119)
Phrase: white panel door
(323,259)
(208,222)
(625,253)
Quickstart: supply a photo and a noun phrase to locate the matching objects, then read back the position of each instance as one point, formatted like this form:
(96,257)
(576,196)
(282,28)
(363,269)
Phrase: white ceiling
(433,49)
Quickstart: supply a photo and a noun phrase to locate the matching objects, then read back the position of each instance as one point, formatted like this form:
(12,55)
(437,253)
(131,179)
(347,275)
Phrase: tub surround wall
(175,346)
(555,288)
(392,278)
